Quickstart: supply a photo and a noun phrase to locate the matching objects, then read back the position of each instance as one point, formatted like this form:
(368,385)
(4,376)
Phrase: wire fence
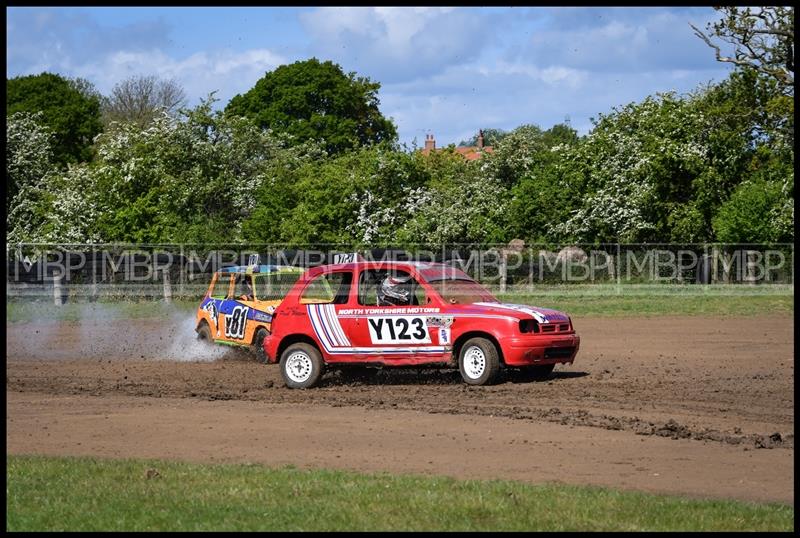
(92,272)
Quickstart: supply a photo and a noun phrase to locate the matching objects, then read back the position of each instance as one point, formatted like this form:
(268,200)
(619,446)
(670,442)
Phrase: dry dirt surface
(702,406)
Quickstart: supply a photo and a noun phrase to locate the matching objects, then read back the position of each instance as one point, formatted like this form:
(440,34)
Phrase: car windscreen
(456,287)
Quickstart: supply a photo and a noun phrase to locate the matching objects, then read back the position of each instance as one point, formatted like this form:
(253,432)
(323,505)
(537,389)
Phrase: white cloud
(392,44)
(617,41)
(225,71)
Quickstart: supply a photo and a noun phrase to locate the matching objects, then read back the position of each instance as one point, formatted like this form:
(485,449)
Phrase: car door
(235,311)
(220,290)
(327,299)
(393,331)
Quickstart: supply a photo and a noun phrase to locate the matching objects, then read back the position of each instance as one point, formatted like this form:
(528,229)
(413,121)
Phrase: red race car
(408,314)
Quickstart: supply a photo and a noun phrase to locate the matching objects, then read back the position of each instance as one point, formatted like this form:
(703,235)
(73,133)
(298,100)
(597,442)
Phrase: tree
(29,157)
(640,166)
(757,212)
(188,179)
(313,100)
(140,99)
(517,153)
(459,204)
(762,37)
(72,115)
(353,197)
(192,178)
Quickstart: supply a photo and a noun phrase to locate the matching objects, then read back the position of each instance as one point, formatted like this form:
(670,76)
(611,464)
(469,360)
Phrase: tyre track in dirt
(715,379)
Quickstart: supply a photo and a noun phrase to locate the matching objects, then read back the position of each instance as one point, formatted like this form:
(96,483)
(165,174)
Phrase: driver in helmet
(395,290)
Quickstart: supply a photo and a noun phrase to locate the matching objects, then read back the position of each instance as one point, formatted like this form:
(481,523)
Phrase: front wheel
(301,366)
(204,333)
(478,362)
(258,345)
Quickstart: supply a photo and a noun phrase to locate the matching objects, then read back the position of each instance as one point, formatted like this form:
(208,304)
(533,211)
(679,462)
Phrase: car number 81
(398,330)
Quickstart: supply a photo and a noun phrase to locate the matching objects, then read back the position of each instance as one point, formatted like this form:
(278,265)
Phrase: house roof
(471,153)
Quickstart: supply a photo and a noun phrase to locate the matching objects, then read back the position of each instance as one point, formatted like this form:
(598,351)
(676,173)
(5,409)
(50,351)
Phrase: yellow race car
(238,306)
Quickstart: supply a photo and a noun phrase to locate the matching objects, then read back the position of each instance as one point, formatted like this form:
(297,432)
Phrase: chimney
(430,143)
(480,139)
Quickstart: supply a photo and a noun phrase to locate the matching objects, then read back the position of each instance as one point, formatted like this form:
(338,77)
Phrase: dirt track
(707,401)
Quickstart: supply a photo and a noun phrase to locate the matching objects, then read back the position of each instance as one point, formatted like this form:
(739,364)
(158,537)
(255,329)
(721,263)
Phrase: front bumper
(539,349)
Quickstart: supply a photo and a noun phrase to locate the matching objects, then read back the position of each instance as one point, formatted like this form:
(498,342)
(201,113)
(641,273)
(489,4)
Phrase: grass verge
(595,300)
(60,493)
(659,305)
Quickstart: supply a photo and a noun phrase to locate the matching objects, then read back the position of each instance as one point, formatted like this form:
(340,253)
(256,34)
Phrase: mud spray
(171,337)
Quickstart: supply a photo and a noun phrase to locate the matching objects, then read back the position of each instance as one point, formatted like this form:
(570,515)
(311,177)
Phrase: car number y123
(398,330)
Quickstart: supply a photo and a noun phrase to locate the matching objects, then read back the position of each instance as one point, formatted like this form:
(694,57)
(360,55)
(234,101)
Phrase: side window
(244,288)
(328,288)
(381,287)
(220,289)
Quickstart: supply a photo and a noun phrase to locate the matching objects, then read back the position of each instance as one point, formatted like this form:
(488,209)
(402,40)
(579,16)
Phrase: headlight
(528,326)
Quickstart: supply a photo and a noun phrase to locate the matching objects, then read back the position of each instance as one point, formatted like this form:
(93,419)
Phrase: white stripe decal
(540,317)
(337,327)
(325,317)
(319,327)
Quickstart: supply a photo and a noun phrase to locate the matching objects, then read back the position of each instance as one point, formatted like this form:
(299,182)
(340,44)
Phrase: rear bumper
(271,348)
(537,349)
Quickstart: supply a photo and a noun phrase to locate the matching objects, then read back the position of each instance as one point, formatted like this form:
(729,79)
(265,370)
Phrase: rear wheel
(478,362)
(301,366)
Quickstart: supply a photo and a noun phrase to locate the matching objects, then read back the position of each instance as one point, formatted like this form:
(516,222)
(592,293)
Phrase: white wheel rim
(299,367)
(474,362)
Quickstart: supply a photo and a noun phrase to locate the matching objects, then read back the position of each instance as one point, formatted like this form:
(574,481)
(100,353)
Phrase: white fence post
(58,300)
(503,271)
(167,286)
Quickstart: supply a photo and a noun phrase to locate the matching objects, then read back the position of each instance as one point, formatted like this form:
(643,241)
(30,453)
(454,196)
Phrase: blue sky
(445,71)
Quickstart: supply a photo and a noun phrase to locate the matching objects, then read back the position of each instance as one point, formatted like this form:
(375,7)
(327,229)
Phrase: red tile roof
(471,153)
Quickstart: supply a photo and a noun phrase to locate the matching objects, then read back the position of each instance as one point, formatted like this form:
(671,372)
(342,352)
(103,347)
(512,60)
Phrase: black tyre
(479,362)
(540,372)
(301,366)
(258,345)
(204,333)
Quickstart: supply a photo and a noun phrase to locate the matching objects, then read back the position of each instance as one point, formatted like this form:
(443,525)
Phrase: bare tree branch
(762,39)
(139,99)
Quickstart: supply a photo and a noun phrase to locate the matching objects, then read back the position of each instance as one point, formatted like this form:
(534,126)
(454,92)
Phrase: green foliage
(316,101)
(354,197)
(191,180)
(68,110)
(544,196)
(756,212)
(29,157)
(716,164)
(460,203)
(521,150)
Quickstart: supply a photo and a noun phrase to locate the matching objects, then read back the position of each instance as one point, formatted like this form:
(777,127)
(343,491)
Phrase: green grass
(46,493)
(575,299)
(659,305)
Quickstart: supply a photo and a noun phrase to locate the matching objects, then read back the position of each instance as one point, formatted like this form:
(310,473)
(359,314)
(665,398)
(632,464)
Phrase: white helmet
(395,290)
